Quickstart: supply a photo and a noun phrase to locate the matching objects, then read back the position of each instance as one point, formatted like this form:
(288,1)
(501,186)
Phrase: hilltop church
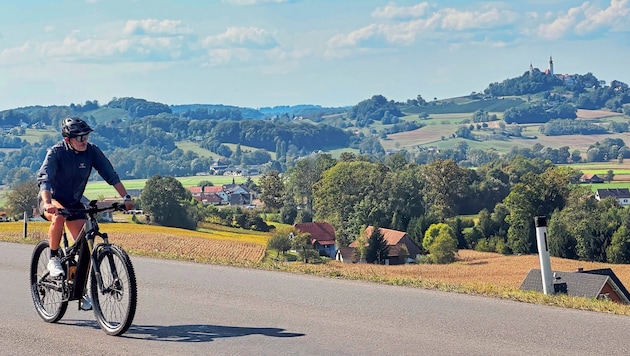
(567,78)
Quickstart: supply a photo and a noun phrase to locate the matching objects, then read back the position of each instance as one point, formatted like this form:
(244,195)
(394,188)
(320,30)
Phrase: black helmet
(73,127)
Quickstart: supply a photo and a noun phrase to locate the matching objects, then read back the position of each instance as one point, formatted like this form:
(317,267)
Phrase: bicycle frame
(85,249)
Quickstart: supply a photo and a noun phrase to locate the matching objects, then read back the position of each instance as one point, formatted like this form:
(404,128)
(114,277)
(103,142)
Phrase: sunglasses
(82,138)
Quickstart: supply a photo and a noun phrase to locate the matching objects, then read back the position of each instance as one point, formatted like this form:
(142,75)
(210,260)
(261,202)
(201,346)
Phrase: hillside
(561,116)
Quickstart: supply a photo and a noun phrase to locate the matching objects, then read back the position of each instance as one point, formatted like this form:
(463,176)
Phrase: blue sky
(256,53)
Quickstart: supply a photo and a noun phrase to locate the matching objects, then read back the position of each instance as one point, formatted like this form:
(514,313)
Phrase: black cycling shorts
(72,217)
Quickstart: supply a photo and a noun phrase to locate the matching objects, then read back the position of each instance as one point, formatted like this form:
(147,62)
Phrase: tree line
(353,192)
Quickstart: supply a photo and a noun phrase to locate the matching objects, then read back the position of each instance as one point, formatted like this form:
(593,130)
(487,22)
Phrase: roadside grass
(475,273)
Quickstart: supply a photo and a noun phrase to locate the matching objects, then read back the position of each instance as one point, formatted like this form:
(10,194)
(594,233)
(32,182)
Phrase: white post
(543,254)
(25,223)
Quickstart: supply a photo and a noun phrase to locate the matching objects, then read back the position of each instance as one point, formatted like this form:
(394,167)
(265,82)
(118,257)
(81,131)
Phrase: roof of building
(392,237)
(580,284)
(320,231)
(613,192)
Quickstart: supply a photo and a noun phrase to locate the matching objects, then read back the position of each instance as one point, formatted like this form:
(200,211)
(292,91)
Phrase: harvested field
(595,114)
(472,268)
(164,242)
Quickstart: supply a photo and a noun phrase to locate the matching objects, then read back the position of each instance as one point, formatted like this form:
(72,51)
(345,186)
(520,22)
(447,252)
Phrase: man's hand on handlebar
(50,208)
(128,205)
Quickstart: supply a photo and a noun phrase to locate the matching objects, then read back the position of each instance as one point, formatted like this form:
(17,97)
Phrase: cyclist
(62,179)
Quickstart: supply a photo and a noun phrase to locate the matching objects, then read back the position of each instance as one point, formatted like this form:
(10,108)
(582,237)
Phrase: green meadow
(102,189)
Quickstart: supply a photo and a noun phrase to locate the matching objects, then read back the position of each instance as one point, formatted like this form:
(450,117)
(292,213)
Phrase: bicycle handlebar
(93,209)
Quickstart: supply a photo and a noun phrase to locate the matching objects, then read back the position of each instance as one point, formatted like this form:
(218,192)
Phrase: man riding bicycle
(62,179)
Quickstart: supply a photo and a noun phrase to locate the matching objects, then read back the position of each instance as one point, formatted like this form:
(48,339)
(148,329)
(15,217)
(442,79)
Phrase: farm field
(95,189)
(440,128)
(216,245)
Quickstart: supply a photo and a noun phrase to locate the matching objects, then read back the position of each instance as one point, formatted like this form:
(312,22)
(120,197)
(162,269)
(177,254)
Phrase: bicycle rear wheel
(114,305)
(48,294)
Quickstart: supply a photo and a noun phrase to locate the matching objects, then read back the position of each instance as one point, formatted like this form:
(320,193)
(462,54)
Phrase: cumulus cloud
(152,40)
(138,40)
(155,27)
(391,11)
(241,37)
(586,19)
(425,22)
(616,16)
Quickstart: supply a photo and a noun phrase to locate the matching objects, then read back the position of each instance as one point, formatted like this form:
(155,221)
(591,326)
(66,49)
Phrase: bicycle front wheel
(48,293)
(115,303)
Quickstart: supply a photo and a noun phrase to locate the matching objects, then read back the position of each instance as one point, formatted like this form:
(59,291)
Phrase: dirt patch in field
(595,114)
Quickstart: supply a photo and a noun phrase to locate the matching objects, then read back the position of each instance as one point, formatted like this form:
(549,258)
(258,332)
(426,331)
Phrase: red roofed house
(402,248)
(322,236)
(209,195)
(591,178)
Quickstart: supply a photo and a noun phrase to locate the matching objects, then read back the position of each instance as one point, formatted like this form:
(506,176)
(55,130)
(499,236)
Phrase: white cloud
(453,19)
(391,11)
(587,19)
(429,25)
(143,40)
(241,37)
(153,27)
(617,15)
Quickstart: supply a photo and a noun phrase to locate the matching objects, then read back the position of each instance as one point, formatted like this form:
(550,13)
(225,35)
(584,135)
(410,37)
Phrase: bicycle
(111,275)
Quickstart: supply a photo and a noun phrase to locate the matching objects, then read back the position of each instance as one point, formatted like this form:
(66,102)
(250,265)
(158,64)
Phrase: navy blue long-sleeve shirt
(65,172)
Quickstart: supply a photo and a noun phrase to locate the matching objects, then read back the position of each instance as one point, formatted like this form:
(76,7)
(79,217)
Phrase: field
(441,126)
(95,189)
(217,244)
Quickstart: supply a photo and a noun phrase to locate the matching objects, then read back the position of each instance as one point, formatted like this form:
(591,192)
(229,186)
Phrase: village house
(322,237)
(591,178)
(402,249)
(621,194)
(598,283)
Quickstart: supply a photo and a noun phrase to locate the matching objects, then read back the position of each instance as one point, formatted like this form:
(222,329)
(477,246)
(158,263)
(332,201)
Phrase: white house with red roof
(322,236)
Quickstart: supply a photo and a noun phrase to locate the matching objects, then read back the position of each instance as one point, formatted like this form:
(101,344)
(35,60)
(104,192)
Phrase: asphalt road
(193,309)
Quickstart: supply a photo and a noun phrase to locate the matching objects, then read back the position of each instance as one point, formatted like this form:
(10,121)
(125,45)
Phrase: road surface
(195,309)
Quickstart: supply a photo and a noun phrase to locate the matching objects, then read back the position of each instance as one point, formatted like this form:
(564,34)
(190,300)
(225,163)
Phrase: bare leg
(56,227)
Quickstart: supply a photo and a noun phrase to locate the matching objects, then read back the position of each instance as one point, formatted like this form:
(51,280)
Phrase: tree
(302,243)
(436,230)
(445,186)
(280,240)
(443,248)
(377,250)
(271,190)
(304,175)
(170,204)
(351,195)
(619,249)
(22,198)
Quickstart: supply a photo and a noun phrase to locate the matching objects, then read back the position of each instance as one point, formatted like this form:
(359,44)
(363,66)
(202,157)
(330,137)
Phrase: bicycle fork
(96,264)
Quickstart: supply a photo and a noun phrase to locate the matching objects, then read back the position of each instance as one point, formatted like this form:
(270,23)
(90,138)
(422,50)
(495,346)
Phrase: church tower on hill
(550,65)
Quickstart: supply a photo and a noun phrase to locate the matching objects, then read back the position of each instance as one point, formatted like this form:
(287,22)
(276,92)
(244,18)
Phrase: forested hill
(144,135)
